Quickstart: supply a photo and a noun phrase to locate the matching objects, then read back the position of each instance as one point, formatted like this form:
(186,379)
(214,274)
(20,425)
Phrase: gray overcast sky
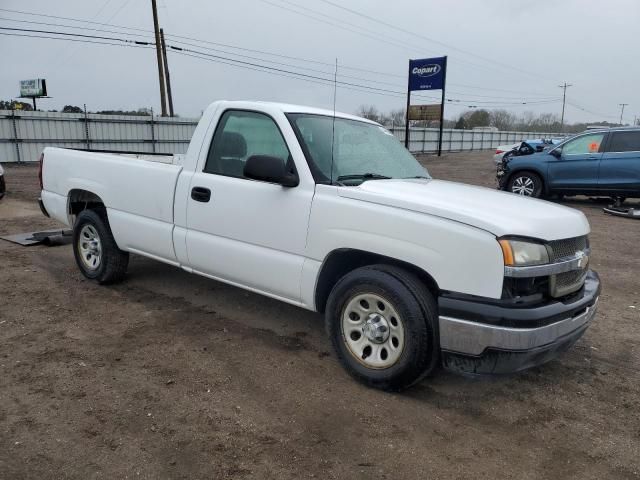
(592,45)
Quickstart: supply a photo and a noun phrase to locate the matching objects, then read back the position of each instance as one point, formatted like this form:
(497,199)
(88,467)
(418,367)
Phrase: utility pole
(564,99)
(622,110)
(166,72)
(163,100)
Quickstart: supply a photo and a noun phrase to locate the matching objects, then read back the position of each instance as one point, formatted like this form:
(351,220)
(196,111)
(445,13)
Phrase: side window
(240,135)
(625,142)
(583,145)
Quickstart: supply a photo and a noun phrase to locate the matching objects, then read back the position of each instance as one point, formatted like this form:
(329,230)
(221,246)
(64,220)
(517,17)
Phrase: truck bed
(136,188)
(168,158)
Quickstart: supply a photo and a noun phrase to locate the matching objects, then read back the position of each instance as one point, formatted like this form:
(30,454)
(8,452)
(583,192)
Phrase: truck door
(576,166)
(242,231)
(620,164)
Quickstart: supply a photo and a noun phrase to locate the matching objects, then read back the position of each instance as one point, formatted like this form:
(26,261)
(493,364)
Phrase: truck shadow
(249,309)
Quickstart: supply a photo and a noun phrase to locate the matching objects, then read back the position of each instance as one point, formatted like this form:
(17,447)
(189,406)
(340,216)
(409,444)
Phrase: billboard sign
(427,74)
(425,112)
(33,88)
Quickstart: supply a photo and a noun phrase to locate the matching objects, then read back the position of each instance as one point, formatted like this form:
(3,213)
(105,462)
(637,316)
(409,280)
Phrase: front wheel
(527,184)
(95,249)
(383,324)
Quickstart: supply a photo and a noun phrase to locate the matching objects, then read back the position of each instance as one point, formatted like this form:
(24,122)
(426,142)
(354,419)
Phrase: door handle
(201,194)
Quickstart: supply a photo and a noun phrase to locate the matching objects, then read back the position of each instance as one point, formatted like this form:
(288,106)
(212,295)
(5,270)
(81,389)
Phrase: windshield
(361,151)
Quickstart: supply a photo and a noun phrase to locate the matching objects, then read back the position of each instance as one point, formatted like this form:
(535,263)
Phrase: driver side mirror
(556,152)
(269,169)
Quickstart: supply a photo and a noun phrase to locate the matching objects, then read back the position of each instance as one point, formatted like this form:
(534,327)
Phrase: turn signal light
(507,252)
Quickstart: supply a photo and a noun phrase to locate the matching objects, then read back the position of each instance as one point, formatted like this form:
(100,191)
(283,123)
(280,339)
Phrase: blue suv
(596,162)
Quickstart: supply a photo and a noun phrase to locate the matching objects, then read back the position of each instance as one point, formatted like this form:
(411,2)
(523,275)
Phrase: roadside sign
(427,74)
(425,112)
(33,88)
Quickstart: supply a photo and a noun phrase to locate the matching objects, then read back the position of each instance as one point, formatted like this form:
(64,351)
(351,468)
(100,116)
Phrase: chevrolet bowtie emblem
(583,259)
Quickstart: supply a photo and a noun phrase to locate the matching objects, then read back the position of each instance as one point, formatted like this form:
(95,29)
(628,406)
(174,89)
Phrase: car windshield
(361,151)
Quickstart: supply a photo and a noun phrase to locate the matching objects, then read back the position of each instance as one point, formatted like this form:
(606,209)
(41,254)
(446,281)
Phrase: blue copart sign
(427,74)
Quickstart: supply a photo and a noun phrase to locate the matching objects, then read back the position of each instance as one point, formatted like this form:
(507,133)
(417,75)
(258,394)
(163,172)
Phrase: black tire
(413,302)
(111,266)
(525,181)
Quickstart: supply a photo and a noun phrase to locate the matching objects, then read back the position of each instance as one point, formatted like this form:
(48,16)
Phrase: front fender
(457,256)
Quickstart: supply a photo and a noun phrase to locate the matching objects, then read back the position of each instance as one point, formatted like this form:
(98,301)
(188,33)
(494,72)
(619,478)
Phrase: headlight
(520,253)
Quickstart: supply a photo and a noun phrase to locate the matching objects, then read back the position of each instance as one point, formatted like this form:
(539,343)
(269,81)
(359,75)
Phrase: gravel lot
(169,375)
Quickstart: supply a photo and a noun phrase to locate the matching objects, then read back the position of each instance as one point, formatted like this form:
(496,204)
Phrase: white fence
(23,135)
(425,140)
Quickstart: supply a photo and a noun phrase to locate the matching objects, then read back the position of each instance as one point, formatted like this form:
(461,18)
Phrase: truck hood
(500,213)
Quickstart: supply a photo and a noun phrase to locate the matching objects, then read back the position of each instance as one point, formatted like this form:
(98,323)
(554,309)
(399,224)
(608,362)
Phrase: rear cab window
(239,135)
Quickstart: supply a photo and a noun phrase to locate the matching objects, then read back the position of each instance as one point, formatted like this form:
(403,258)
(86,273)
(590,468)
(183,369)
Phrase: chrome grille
(567,247)
(568,282)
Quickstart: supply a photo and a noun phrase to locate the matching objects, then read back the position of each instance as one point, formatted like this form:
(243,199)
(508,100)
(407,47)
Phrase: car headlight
(520,253)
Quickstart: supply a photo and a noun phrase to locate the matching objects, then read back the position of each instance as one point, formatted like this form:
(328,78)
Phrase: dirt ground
(169,375)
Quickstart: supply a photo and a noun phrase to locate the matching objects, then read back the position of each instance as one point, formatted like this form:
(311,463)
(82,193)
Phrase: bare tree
(502,119)
(369,112)
(397,117)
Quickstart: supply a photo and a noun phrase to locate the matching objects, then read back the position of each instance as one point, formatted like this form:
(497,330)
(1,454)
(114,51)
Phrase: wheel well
(80,200)
(340,262)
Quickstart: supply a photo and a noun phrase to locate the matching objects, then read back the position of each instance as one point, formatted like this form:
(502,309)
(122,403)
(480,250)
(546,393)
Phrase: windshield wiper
(418,176)
(362,176)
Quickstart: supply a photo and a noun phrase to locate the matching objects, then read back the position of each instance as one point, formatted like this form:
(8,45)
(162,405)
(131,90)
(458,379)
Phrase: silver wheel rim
(523,186)
(90,247)
(373,331)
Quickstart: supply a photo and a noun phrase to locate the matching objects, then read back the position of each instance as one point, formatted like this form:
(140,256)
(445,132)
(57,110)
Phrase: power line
(257,58)
(134,44)
(586,110)
(33,33)
(177,38)
(32,22)
(75,35)
(281,70)
(228,59)
(376,35)
(22,12)
(372,34)
(115,14)
(67,56)
(409,32)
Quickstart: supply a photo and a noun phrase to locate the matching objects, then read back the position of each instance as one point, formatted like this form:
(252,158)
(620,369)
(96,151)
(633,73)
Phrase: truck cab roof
(285,108)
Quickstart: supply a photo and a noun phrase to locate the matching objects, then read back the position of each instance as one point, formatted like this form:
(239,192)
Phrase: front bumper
(487,338)
(501,176)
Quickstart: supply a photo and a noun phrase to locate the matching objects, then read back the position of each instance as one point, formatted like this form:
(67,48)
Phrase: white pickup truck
(330,213)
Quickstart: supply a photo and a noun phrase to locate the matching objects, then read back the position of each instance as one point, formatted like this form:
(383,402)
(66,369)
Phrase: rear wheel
(95,249)
(383,324)
(527,184)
